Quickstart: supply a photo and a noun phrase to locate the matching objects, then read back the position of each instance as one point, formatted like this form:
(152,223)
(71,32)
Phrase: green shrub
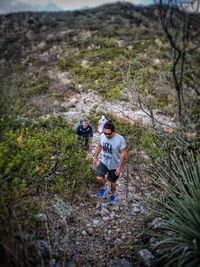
(67,63)
(101,74)
(104,42)
(35,89)
(150,144)
(41,159)
(180,240)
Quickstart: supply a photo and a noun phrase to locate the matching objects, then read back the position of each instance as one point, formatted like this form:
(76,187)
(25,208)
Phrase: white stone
(84,63)
(106,218)
(41,45)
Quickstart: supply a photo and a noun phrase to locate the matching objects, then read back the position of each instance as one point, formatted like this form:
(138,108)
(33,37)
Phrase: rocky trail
(98,234)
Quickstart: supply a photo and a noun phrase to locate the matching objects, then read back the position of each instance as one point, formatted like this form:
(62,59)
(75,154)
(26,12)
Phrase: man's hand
(118,171)
(94,161)
(122,159)
(98,150)
(90,146)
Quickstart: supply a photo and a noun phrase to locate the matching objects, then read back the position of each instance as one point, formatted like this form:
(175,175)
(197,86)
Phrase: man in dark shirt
(85,133)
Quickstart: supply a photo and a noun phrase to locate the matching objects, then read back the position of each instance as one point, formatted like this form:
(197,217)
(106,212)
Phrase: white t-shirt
(101,124)
(111,150)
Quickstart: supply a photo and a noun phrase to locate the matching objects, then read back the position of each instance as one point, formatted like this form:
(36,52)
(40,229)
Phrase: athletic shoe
(112,200)
(102,192)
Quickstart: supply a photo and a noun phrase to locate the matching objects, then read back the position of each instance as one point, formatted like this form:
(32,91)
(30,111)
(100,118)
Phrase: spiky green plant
(181,208)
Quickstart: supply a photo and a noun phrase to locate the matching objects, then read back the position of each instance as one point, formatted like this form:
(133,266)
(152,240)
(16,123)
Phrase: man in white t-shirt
(113,159)
(101,124)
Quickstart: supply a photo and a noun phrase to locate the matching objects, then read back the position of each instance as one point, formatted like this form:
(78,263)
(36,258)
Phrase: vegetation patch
(42,158)
(106,66)
(35,89)
(99,73)
(179,209)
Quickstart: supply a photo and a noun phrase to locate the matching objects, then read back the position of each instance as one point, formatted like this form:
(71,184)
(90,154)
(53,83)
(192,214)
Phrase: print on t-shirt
(107,148)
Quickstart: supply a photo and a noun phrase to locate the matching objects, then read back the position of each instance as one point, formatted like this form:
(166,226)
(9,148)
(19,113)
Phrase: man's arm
(91,131)
(122,161)
(91,136)
(77,130)
(97,126)
(91,142)
(97,152)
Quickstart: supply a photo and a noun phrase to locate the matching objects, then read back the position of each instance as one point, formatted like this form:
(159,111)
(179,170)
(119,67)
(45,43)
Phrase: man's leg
(86,142)
(113,187)
(80,141)
(101,171)
(112,177)
(101,181)
(103,189)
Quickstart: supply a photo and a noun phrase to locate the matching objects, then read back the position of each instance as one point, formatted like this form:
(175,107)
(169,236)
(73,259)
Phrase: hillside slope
(50,61)
(113,60)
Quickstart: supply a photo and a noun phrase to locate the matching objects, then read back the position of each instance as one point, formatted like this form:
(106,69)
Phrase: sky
(9,6)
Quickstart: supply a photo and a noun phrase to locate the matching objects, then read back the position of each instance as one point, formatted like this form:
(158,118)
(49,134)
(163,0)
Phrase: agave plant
(181,208)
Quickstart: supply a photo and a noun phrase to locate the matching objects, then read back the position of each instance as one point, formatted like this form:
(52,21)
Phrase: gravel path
(102,235)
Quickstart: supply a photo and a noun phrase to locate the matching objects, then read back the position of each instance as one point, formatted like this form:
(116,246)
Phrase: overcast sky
(8,6)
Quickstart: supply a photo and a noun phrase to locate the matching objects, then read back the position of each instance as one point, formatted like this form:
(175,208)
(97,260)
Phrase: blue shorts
(103,170)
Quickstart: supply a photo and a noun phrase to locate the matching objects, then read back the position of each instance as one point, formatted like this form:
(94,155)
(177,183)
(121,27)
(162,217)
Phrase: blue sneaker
(112,200)
(102,192)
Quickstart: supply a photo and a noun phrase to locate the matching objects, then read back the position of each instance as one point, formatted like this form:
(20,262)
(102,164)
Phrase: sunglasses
(108,133)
